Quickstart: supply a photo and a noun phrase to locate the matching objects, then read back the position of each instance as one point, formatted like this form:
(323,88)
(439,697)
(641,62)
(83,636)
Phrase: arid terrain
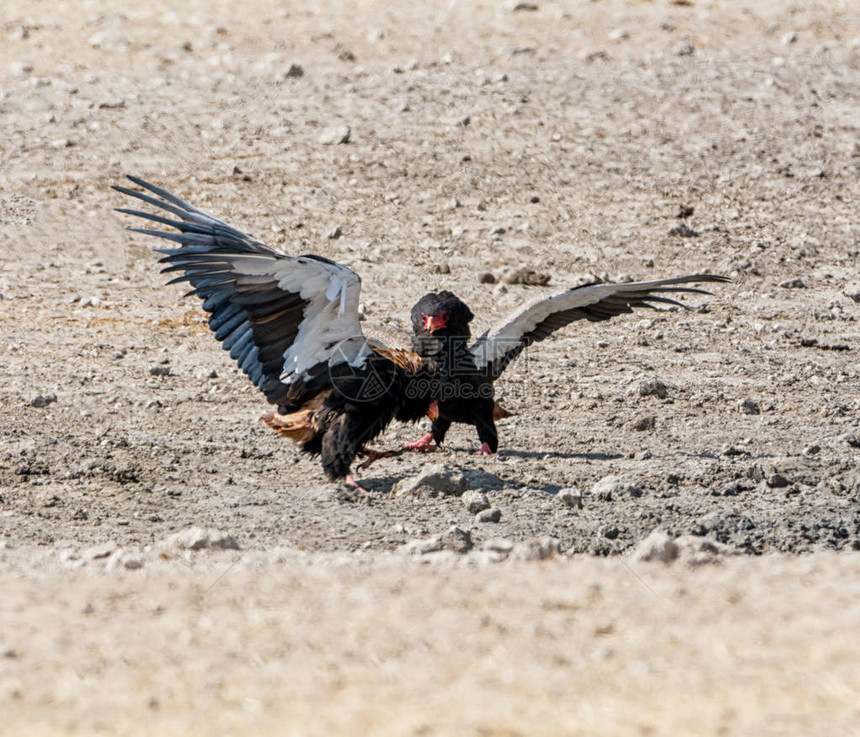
(169,566)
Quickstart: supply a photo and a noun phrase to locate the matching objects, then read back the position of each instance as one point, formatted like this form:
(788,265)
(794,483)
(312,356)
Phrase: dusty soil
(619,140)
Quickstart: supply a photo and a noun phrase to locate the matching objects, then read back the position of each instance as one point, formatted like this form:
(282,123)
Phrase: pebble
(789,38)
(683,231)
(528,277)
(541,549)
(43,400)
(610,532)
(486,277)
(433,480)
(335,233)
(852,291)
(658,547)
(98,552)
(685,48)
(812,450)
(159,370)
(422,547)
(749,406)
(643,423)
(518,6)
(498,545)
(457,540)
(618,34)
(653,388)
(570,497)
(852,439)
(615,486)
(335,134)
(494,514)
(778,481)
(475,501)
(796,283)
(200,538)
(295,71)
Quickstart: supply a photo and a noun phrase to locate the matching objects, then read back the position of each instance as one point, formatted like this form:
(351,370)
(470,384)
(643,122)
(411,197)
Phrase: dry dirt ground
(610,139)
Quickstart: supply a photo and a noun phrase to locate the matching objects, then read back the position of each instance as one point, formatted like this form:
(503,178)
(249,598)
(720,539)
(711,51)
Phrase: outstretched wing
(494,350)
(285,320)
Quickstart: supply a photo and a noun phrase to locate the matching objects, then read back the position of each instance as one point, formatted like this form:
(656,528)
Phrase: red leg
(424,444)
(485,450)
(375,455)
(350,481)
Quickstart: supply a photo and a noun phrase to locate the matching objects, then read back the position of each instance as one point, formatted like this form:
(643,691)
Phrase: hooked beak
(433,411)
(432,323)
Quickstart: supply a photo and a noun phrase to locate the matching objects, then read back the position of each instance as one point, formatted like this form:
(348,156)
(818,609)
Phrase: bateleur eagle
(292,325)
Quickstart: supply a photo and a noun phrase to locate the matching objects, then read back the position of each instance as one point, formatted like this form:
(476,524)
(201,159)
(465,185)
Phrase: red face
(432,323)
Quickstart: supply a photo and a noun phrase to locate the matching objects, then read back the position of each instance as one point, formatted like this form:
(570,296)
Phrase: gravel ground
(449,145)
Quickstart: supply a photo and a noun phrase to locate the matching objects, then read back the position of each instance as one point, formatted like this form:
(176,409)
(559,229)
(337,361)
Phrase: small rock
(685,48)
(789,38)
(98,552)
(615,486)
(498,545)
(653,388)
(732,489)
(684,211)
(200,538)
(475,501)
(852,439)
(335,134)
(493,514)
(542,549)
(755,472)
(159,370)
(796,283)
(518,6)
(749,406)
(643,423)
(434,480)
(570,497)
(422,547)
(683,231)
(335,233)
(778,481)
(132,563)
(812,450)
(295,71)
(657,547)
(852,291)
(610,532)
(486,278)
(618,34)
(457,540)
(90,302)
(43,400)
(528,277)
(116,104)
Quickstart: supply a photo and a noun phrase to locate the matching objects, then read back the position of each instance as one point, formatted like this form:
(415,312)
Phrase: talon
(485,450)
(350,481)
(375,455)
(425,444)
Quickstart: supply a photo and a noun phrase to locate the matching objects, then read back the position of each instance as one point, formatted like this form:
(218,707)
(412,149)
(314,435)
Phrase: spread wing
(494,350)
(286,321)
